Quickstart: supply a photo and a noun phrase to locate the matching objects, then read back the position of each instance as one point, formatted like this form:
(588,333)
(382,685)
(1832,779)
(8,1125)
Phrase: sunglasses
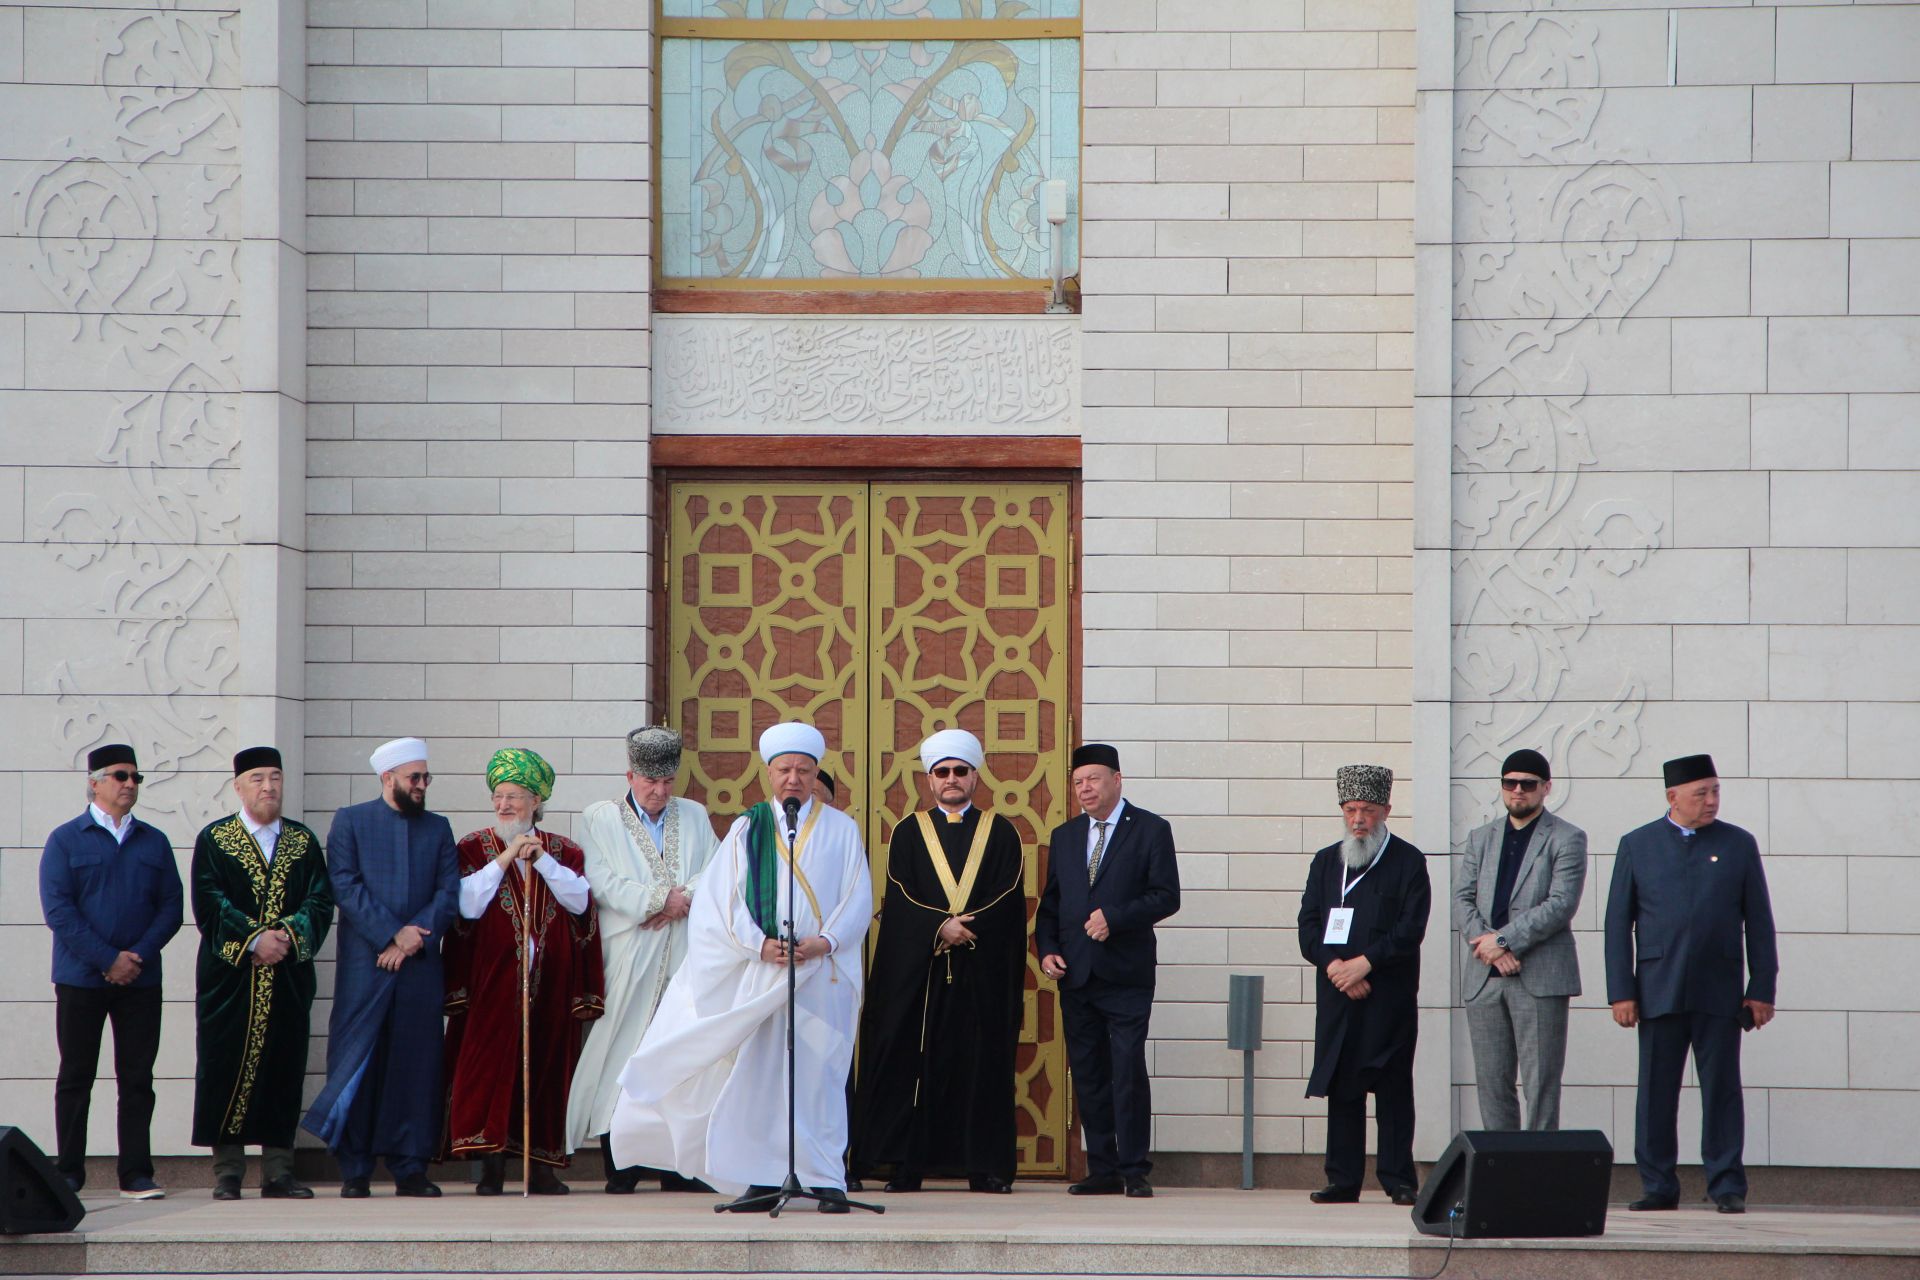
(1520,784)
(951,770)
(123,775)
(416,779)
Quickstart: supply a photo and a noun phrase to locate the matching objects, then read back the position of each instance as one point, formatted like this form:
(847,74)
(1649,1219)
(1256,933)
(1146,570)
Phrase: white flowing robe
(706,1092)
(630,880)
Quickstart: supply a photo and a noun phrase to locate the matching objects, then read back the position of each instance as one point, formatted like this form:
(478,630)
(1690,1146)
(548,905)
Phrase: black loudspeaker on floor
(33,1195)
(1517,1185)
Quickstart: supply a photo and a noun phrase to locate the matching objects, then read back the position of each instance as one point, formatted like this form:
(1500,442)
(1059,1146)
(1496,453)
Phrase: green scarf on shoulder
(763,868)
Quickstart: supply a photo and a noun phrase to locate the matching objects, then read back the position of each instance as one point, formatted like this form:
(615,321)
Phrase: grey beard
(1358,851)
(509,832)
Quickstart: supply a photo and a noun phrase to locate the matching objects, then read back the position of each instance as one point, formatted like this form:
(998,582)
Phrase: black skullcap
(826,780)
(1688,769)
(256,758)
(111,754)
(1527,760)
(1095,753)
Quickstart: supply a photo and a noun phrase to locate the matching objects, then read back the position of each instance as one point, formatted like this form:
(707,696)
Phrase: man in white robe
(643,853)
(706,1092)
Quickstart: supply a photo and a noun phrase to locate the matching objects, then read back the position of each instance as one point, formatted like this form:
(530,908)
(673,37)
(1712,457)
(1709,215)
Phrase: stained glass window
(866,159)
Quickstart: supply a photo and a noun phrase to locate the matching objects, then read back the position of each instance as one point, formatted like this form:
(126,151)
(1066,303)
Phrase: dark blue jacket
(1138,886)
(1681,914)
(101,898)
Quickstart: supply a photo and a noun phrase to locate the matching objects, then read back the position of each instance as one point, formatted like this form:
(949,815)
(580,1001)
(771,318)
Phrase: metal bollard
(1246,999)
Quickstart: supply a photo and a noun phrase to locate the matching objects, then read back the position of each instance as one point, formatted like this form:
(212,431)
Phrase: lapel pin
(1713,857)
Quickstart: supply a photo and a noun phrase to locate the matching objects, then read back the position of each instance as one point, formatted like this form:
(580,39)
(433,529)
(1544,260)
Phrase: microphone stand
(791,1188)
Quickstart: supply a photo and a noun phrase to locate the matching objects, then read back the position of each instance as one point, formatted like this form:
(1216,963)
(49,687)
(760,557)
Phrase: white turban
(391,755)
(952,744)
(789,737)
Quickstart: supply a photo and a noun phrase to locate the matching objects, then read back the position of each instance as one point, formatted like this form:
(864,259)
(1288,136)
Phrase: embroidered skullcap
(1372,783)
(256,758)
(1095,753)
(108,756)
(1688,769)
(789,737)
(952,744)
(1527,760)
(391,755)
(654,751)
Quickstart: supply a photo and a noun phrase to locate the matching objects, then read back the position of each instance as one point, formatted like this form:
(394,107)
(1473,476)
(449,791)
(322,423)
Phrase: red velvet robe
(483,1008)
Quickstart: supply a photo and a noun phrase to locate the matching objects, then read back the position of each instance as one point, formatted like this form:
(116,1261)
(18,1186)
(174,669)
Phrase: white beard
(511,831)
(1358,851)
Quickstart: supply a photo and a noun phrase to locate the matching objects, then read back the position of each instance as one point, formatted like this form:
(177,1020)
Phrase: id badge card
(1339,925)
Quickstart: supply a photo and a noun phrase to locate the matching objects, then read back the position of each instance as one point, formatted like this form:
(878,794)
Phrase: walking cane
(526,1051)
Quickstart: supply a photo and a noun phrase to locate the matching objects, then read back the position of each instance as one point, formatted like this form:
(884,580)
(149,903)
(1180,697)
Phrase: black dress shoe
(990,1184)
(285,1188)
(545,1182)
(226,1188)
(355,1189)
(1335,1195)
(744,1203)
(900,1182)
(1653,1204)
(493,1175)
(1105,1184)
(623,1186)
(1732,1202)
(832,1200)
(675,1182)
(1139,1189)
(417,1186)
(1404,1196)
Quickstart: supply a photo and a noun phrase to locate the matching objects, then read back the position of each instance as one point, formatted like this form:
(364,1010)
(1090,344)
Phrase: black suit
(1107,993)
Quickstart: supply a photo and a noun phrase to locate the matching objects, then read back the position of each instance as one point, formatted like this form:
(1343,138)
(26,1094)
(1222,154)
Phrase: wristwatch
(1500,940)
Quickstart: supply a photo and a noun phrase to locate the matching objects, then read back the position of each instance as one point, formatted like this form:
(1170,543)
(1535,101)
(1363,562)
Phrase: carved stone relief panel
(866,375)
(134,234)
(1531,542)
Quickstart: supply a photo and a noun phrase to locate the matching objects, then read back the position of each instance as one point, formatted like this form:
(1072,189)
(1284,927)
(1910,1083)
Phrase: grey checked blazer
(1540,912)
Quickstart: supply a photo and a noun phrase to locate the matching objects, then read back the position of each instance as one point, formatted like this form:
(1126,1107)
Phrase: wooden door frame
(868,459)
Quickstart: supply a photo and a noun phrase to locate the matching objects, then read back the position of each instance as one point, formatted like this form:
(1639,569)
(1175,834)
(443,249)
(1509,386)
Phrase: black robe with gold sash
(935,1093)
(251,1020)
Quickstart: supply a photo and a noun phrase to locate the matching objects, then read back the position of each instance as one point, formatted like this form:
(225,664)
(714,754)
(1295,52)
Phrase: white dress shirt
(118,833)
(1093,829)
(267,837)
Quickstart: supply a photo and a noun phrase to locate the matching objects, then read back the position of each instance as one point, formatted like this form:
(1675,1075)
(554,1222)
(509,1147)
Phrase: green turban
(522,768)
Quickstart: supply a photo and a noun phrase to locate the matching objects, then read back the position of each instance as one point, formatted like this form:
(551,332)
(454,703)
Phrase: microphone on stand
(792,805)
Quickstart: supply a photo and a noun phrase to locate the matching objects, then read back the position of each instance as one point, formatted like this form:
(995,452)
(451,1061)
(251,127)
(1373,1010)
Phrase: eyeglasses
(122,775)
(416,779)
(951,770)
(1520,784)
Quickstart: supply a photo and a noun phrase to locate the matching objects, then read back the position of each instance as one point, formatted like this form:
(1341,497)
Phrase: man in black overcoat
(1362,916)
(1688,891)
(1110,878)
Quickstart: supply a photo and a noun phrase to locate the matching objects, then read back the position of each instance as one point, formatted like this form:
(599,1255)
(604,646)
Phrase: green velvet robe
(251,1020)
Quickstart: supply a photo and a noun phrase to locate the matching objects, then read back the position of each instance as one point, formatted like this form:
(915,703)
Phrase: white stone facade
(1667,362)
(1449,378)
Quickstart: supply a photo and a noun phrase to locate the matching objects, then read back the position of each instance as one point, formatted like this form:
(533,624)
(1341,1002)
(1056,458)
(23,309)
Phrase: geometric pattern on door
(881,613)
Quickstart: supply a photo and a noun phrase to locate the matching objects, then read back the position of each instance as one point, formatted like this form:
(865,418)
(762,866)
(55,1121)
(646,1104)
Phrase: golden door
(881,613)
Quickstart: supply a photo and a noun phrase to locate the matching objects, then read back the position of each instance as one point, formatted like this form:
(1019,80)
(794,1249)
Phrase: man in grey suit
(1513,905)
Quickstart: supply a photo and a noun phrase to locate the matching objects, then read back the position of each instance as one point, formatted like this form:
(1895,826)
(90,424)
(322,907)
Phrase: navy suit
(1678,913)
(1106,996)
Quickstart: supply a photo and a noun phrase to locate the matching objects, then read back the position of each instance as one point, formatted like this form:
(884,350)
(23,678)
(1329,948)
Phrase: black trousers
(80,1015)
(1106,1029)
(1715,1042)
(1392,1090)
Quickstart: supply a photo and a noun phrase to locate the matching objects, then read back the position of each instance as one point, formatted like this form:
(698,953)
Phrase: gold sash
(792,858)
(957,892)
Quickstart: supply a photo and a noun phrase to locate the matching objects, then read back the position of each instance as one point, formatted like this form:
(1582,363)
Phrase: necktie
(1099,847)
